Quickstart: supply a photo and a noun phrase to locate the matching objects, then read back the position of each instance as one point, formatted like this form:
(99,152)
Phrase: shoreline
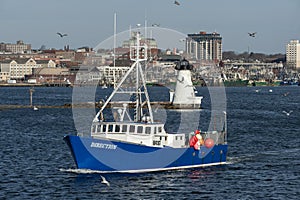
(71,85)
(35,85)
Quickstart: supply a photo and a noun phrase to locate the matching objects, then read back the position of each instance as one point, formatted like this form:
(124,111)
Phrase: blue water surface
(263,154)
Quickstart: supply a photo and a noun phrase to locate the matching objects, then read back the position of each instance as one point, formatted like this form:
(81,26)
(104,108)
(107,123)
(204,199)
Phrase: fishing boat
(133,142)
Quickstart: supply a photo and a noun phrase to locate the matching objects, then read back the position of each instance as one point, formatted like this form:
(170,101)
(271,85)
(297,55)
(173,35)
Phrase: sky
(89,22)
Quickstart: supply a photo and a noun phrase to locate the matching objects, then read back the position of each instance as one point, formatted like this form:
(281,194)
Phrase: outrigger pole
(136,64)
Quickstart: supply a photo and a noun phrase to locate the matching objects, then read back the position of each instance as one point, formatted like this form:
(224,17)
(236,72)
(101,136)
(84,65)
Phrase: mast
(137,107)
(115,31)
(136,57)
(145,31)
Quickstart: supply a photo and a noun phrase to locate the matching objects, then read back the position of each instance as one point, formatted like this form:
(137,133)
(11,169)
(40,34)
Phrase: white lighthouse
(184,95)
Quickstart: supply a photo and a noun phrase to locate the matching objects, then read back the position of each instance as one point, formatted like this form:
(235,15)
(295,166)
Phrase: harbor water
(263,150)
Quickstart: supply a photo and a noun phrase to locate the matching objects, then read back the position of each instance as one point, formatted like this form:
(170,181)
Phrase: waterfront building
(112,75)
(152,49)
(17,69)
(45,64)
(52,75)
(293,54)
(204,46)
(103,75)
(19,47)
(5,70)
(21,67)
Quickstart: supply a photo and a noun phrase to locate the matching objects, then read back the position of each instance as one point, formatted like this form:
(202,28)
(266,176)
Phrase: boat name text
(103,146)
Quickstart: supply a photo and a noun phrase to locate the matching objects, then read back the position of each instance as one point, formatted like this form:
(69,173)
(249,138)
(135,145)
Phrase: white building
(293,54)
(101,75)
(5,70)
(18,68)
(19,47)
(113,74)
(204,46)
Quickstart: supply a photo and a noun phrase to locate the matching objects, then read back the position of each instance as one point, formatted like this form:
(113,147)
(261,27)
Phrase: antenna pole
(138,115)
(145,32)
(115,31)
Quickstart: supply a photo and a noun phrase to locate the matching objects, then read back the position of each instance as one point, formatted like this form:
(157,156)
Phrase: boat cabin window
(99,129)
(110,128)
(159,129)
(178,137)
(155,130)
(148,130)
(124,128)
(104,128)
(117,128)
(93,128)
(140,129)
(131,128)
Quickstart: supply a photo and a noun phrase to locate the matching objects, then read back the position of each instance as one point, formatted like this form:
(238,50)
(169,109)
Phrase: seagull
(181,81)
(287,113)
(252,34)
(177,3)
(285,94)
(61,35)
(104,181)
(156,109)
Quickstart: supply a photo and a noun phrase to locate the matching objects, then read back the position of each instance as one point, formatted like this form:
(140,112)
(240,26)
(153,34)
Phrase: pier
(35,85)
(161,104)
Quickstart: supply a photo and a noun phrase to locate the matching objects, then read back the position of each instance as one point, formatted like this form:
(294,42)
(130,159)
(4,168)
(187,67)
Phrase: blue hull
(111,156)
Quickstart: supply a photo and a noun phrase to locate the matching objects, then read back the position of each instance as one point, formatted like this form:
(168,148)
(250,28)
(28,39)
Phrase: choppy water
(263,155)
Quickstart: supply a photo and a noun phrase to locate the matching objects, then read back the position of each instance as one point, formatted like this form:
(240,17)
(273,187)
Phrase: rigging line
(115,91)
(146,94)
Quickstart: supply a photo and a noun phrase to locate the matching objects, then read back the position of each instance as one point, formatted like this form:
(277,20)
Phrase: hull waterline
(107,156)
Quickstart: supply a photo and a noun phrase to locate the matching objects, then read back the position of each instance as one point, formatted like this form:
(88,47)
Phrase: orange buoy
(209,143)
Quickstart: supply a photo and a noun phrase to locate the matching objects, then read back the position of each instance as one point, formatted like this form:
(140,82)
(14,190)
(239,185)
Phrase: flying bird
(104,181)
(155,25)
(252,34)
(61,35)
(176,3)
(182,79)
(285,94)
(287,113)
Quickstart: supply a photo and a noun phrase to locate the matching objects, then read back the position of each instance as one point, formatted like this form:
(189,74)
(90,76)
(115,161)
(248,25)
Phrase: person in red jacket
(196,140)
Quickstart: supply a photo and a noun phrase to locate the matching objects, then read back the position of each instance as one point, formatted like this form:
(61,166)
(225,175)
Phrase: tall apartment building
(293,54)
(19,47)
(204,46)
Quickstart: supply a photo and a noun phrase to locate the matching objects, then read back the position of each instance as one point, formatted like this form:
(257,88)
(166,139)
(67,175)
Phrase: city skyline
(90,23)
